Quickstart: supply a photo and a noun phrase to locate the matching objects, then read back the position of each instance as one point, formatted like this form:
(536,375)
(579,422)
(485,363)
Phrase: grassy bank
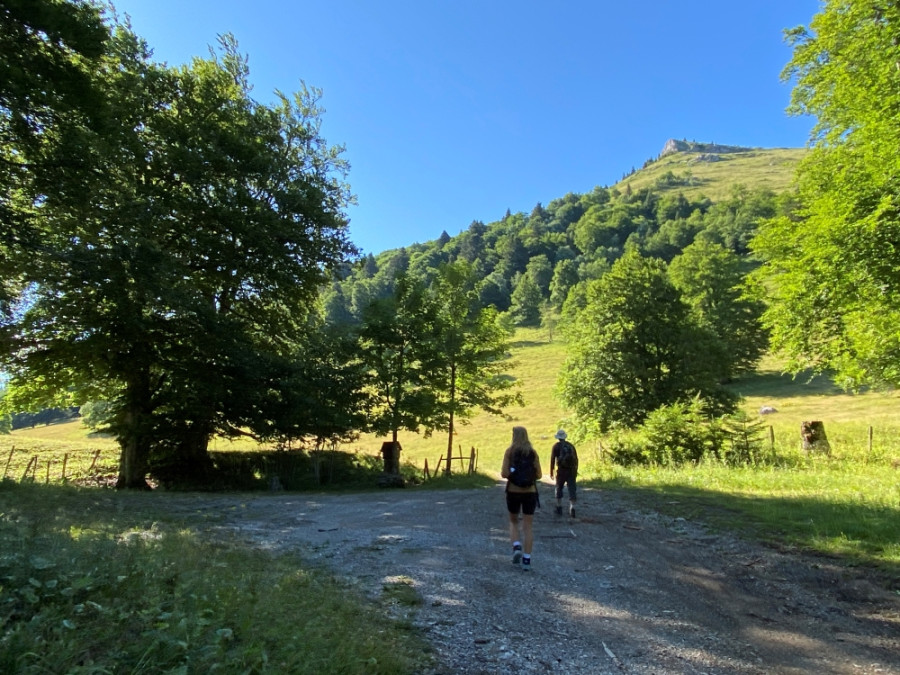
(96,582)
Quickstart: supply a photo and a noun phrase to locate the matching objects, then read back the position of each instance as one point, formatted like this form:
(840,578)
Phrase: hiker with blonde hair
(521,469)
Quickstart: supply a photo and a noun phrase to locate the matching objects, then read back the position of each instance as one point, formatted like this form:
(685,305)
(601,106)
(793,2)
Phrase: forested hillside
(529,261)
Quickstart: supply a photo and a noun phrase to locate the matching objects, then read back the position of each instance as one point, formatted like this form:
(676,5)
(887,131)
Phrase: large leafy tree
(835,270)
(634,348)
(396,345)
(471,352)
(198,241)
(711,281)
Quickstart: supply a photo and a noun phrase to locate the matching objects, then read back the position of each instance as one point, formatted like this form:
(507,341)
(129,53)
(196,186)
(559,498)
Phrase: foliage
(396,345)
(47,51)
(191,242)
(833,267)
(711,281)
(92,583)
(468,364)
(746,445)
(95,414)
(523,259)
(635,348)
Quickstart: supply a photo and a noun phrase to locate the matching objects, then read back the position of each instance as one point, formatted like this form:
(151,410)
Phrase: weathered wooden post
(814,439)
(9,461)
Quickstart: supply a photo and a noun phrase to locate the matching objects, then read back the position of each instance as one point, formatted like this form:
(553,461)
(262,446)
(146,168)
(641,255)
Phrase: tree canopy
(191,240)
(833,268)
(634,348)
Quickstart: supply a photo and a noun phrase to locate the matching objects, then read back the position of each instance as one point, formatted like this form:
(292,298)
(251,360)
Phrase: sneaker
(526,565)
(517,556)
(559,510)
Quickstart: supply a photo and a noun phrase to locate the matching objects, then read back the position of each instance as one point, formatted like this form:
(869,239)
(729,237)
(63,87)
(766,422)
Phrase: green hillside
(698,169)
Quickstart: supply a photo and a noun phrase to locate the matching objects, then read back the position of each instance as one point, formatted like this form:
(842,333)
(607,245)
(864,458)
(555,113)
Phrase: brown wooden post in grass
(870,441)
(65,461)
(471,461)
(9,461)
(772,437)
(94,463)
(814,438)
(47,477)
(31,461)
(425,471)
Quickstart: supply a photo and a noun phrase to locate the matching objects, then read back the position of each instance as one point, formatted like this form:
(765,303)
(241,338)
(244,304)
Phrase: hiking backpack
(565,458)
(522,472)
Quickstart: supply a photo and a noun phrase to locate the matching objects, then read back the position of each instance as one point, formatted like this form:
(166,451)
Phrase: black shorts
(524,501)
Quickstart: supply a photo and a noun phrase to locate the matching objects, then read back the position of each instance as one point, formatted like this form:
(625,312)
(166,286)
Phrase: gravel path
(616,590)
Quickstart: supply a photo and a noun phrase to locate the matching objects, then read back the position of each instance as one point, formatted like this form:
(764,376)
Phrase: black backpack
(522,473)
(565,457)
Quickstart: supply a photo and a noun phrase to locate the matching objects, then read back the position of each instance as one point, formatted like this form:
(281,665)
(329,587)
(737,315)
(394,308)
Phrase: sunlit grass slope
(771,168)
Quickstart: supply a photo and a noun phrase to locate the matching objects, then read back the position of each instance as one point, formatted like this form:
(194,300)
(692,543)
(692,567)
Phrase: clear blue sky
(455,110)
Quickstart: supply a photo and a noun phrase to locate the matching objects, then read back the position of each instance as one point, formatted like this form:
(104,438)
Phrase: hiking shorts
(524,501)
(565,477)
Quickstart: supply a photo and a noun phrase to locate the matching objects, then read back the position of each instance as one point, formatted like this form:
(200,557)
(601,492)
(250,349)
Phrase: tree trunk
(134,439)
(193,462)
(447,471)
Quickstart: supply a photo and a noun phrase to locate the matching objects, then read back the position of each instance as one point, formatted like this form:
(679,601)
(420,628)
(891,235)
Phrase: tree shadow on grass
(773,384)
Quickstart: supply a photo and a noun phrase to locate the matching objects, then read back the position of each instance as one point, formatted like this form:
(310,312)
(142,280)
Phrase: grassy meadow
(771,168)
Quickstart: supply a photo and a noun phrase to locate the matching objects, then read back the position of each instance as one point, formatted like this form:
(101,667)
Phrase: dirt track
(614,591)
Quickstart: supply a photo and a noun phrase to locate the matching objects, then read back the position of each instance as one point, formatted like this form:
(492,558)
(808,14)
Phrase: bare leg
(513,527)
(527,534)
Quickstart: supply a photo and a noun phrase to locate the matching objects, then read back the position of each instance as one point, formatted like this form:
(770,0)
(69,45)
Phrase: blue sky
(454,111)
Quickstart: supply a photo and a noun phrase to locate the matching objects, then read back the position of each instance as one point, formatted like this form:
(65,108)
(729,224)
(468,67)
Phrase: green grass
(92,581)
(771,168)
(827,507)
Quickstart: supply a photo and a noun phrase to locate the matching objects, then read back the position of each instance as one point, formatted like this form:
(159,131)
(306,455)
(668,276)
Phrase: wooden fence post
(94,463)
(9,461)
(771,437)
(65,461)
(47,477)
(31,461)
(471,460)
(870,441)
(427,475)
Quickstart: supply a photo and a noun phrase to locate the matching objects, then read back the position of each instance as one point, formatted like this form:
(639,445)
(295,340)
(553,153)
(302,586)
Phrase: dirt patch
(616,590)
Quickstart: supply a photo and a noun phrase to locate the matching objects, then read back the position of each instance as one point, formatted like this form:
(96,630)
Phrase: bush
(685,432)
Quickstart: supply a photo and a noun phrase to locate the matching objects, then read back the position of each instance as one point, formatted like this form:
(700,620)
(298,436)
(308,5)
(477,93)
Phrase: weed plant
(92,581)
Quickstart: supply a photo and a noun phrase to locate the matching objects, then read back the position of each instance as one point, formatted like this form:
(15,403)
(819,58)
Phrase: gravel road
(615,590)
